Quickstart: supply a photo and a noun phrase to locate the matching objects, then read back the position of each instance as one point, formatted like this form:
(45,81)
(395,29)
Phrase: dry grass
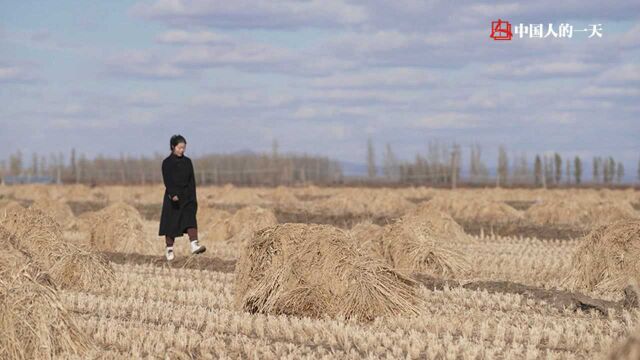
(34,324)
(244,222)
(412,245)
(578,213)
(316,270)
(608,259)
(476,209)
(40,237)
(58,209)
(628,349)
(117,227)
(10,207)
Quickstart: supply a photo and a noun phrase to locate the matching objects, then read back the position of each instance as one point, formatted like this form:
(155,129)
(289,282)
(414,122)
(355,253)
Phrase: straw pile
(58,209)
(239,197)
(411,244)
(583,214)
(628,349)
(283,199)
(40,237)
(240,226)
(368,236)
(316,270)
(118,227)
(608,259)
(340,204)
(211,220)
(10,207)
(33,320)
(419,241)
(387,203)
(605,212)
(479,210)
(441,223)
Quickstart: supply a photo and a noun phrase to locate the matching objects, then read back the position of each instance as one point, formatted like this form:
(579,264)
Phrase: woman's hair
(176,139)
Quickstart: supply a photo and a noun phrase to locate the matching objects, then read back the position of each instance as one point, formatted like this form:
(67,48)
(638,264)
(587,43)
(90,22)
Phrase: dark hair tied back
(175,140)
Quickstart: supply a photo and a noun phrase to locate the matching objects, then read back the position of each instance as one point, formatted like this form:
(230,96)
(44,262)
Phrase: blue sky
(318,76)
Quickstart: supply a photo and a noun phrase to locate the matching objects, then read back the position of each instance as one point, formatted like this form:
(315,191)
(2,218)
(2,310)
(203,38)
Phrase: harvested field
(410,282)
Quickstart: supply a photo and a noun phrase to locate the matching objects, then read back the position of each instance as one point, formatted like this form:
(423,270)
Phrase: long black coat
(178,177)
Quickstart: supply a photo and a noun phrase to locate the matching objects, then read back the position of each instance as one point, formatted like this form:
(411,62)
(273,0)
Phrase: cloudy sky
(319,76)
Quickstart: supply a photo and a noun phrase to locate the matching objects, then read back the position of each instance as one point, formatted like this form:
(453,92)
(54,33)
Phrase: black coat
(178,177)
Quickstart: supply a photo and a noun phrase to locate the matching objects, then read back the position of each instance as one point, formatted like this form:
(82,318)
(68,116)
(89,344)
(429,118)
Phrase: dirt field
(518,295)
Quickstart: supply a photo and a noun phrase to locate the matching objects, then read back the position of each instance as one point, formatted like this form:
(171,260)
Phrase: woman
(180,204)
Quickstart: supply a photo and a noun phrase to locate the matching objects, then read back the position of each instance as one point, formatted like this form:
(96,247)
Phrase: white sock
(170,248)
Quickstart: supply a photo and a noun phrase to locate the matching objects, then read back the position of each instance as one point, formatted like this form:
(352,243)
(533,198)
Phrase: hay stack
(411,244)
(209,220)
(581,214)
(368,236)
(10,207)
(316,270)
(388,203)
(627,349)
(283,199)
(477,210)
(58,209)
(340,204)
(39,236)
(239,197)
(118,227)
(33,320)
(441,223)
(558,212)
(608,259)
(244,222)
(607,211)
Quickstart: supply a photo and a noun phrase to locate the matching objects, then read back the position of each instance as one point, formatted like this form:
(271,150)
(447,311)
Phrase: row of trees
(441,165)
(264,169)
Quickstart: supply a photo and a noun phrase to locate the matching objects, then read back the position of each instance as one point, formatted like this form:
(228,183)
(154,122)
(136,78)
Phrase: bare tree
(503,166)
(391,165)
(577,169)
(619,172)
(455,165)
(15,163)
(537,170)
(558,168)
(371,160)
(597,162)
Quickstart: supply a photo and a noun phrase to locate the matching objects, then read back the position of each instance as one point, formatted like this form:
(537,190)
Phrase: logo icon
(501,30)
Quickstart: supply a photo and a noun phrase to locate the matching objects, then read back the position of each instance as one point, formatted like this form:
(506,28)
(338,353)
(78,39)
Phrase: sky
(320,77)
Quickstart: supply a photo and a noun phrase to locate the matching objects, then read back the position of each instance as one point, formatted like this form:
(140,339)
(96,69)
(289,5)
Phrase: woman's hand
(175,198)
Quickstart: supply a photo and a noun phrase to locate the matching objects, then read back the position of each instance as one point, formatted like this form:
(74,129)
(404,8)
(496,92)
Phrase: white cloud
(252,14)
(447,120)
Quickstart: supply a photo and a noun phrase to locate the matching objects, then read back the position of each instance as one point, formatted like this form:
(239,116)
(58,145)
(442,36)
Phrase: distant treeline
(241,169)
(441,166)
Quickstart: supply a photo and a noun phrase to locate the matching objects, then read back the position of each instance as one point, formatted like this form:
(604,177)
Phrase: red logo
(500,30)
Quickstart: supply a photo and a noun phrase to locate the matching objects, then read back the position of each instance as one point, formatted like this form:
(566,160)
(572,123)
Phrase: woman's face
(180,148)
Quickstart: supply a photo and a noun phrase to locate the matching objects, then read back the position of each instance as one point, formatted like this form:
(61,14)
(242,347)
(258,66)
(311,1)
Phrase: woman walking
(180,204)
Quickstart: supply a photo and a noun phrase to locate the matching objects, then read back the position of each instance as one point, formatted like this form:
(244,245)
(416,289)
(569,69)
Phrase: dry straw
(40,237)
(240,226)
(420,241)
(411,245)
(608,259)
(316,270)
(58,209)
(33,322)
(118,227)
(627,349)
